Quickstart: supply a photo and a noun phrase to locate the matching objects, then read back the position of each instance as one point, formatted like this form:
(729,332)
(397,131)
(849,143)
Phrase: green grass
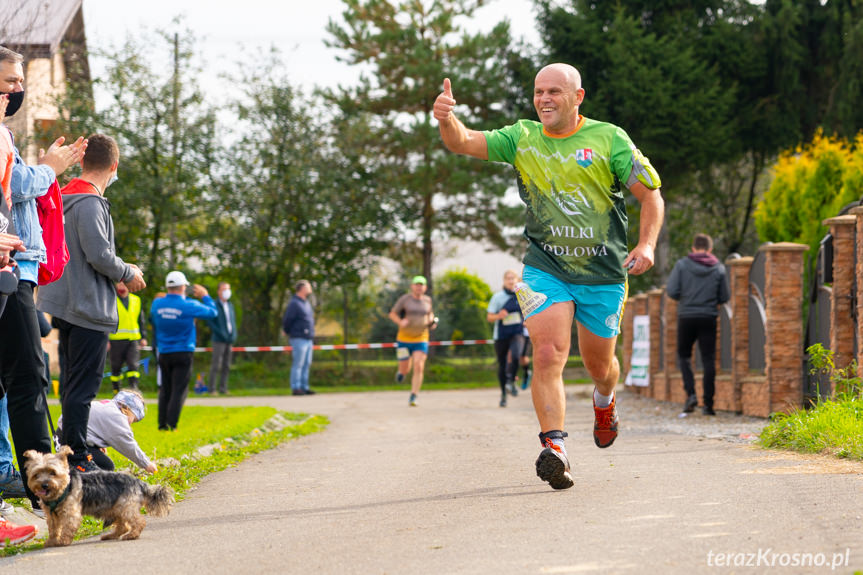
(236,429)
(833,427)
(270,375)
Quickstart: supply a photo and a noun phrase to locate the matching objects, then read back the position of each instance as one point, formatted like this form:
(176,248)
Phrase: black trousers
(703,330)
(22,374)
(176,373)
(84,350)
(508,352)
(124,352)
(101,460)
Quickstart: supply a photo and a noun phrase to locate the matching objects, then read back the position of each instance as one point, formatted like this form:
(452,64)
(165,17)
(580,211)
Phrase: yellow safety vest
(128,328)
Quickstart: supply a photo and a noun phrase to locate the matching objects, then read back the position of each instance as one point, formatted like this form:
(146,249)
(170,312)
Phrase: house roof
(36,26)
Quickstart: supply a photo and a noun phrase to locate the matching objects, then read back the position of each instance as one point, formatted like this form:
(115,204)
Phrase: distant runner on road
(503,311)
(414,316)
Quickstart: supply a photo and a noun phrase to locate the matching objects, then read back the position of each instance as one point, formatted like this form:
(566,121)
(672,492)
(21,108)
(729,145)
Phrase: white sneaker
(37,511)
(6,507)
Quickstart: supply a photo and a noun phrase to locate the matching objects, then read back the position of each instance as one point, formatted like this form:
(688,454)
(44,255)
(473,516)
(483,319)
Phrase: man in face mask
(224,328)
(84,301)
(22,370)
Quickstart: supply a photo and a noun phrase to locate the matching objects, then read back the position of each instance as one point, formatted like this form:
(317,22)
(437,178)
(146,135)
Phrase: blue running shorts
(410,348)
(598,307)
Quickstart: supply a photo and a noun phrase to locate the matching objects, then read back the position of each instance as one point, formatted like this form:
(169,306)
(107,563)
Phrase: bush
(811,183)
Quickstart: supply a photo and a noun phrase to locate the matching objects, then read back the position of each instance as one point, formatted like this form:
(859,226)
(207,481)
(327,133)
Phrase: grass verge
(833,427)
(238,431)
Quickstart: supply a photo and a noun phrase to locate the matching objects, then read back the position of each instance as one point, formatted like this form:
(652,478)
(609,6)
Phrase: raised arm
(456,137)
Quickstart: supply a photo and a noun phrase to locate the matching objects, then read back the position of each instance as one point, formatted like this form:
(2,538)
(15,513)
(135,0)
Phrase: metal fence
(757,313)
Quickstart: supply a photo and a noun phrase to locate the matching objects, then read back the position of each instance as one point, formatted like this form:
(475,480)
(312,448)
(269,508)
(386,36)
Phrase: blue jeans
(5,445)
(302,360)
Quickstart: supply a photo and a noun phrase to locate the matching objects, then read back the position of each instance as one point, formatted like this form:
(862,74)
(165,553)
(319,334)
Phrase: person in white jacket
(110,425)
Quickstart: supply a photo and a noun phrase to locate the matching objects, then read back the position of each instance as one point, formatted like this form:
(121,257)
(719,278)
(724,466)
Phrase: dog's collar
(52,505)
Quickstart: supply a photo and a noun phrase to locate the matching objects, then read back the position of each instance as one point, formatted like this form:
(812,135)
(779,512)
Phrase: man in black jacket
(699,283)
(299,324)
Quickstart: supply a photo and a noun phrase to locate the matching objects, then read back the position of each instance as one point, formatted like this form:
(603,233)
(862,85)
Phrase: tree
(462,299)
(640,70)
(166,134)
(409,46)
(295,199)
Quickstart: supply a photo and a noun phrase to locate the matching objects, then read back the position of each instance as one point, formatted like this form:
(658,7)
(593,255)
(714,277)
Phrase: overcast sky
(225,29)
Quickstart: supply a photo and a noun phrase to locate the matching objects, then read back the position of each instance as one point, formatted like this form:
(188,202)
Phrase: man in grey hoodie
(699,283)
(84,301)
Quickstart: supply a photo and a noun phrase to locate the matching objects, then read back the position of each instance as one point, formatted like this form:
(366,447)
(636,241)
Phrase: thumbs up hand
(444,103)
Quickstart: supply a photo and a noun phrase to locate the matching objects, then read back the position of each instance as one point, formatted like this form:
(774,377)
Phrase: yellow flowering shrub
(810,184)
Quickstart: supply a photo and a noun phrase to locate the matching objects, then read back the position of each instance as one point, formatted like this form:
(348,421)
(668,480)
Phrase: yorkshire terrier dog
(116,498)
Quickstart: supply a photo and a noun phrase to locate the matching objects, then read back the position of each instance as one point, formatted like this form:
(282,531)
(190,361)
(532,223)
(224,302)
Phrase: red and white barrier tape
(348,345)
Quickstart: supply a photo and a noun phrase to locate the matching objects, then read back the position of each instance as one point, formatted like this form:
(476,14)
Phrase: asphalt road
(449,487)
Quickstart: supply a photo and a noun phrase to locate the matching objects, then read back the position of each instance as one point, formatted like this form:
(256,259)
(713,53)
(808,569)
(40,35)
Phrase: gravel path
(646,415)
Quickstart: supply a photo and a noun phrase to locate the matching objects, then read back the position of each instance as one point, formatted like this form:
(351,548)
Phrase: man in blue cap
(173,318)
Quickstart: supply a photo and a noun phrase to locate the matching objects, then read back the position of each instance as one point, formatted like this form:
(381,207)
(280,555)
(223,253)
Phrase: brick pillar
(639,307)
(658,385)
(842,334)
(738,281)
(626,327)
(674,382)
(783,292)
(858,213)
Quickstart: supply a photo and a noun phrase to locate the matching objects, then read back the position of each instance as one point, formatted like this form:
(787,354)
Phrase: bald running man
(572,173)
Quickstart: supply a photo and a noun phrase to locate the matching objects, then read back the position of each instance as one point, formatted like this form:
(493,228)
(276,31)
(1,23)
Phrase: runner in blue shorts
(572,174)
(414,316)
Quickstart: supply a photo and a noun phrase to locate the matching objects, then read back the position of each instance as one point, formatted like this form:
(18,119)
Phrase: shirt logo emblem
(584,157)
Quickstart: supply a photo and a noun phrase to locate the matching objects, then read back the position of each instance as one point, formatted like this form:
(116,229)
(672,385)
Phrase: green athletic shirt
(573,188)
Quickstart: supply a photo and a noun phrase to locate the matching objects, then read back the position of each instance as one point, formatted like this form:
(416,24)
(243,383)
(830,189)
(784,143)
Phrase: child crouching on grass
(110,425)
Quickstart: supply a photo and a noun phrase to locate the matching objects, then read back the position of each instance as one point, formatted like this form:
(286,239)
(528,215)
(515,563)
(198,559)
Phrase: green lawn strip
(239,431)
(833,427)
(270,375)
(346,388)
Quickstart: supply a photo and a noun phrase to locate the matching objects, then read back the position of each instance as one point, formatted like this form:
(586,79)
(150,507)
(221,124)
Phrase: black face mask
(15,101)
